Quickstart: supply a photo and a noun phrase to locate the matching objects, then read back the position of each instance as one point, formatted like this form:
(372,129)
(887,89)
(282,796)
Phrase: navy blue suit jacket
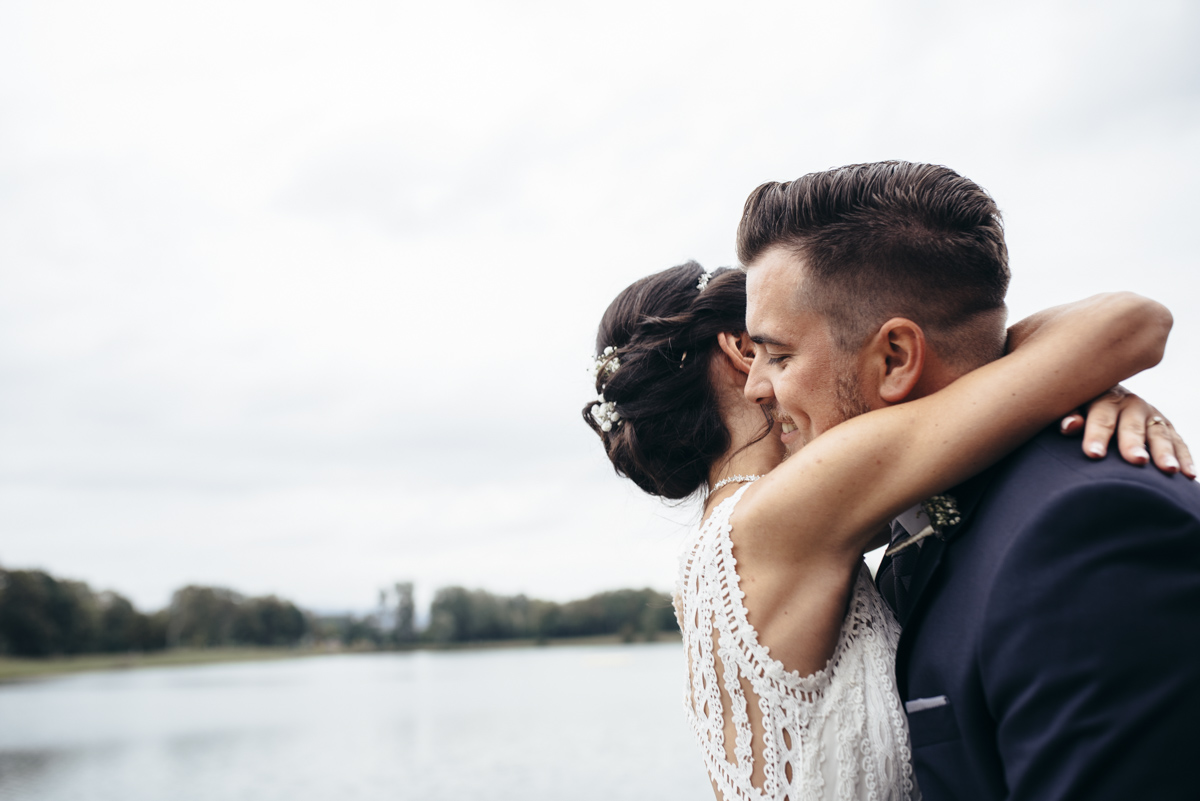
(1061,621)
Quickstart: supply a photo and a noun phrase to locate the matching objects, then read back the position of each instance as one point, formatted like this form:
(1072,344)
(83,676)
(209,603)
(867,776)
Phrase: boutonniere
(942,511)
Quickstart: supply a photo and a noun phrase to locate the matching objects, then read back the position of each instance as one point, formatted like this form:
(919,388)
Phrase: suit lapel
(933,550)
(930,560)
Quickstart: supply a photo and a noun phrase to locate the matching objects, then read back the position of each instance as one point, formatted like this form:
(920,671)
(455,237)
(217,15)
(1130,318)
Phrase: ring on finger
(1156,421)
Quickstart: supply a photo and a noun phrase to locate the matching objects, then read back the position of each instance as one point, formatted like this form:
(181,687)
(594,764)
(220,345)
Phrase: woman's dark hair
(664,331)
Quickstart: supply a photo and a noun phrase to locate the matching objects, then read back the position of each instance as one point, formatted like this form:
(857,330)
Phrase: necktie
(895,578)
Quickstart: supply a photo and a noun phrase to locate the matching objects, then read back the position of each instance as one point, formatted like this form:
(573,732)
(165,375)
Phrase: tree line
(44,616)
(461,615)
(41,615)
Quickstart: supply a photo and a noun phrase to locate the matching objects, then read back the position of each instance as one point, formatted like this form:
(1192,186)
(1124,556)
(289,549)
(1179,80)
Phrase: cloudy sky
(299,297)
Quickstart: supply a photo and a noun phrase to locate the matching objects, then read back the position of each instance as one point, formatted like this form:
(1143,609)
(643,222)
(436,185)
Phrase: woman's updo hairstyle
(663,330)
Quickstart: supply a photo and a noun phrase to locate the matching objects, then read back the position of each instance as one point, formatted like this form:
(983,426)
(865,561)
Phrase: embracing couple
(1034,631)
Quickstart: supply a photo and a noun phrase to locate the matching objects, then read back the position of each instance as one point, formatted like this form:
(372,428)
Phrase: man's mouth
(786,425)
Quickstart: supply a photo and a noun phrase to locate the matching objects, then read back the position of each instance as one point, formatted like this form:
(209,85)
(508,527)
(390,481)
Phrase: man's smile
(787,428)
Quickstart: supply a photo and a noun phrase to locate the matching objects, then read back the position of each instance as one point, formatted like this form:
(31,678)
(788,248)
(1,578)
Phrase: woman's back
(767,732)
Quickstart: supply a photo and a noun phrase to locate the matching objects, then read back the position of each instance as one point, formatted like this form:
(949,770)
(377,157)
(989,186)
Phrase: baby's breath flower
(605,414)
(943,514)
(606,362)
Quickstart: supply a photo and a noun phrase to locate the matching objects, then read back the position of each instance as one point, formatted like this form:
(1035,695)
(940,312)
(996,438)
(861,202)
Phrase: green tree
(624,612)
(268,621)
(201,617)
(42,616)
(152,631)
(120,624)
(459,615)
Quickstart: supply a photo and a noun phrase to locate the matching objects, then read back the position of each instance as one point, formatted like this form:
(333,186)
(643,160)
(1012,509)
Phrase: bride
(790,648)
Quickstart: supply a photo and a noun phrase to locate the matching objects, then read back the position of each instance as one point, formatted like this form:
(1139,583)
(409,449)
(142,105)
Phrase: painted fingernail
(1190,470)
(1170,463)
(1140,454)
(1096,449)
(1066,423)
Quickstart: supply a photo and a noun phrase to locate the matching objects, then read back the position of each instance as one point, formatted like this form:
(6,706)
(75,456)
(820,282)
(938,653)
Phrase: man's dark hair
(891,239)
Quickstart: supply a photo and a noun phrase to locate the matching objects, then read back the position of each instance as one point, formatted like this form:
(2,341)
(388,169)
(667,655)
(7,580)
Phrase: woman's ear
(738,350)
(899,351)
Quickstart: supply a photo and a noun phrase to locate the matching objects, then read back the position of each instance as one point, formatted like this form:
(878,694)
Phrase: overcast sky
(299,297)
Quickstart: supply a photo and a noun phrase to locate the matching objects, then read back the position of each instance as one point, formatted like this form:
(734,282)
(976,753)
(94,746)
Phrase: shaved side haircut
(891,239)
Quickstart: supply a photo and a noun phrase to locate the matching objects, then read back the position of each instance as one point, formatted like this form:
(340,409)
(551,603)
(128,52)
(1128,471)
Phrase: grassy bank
(18,669)
(597,639)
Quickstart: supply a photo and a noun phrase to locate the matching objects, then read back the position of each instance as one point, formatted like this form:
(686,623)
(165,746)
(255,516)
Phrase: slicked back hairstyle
(664,331)
(890,239)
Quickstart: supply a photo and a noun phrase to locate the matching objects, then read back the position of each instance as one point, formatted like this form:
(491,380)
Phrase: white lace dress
(839,733)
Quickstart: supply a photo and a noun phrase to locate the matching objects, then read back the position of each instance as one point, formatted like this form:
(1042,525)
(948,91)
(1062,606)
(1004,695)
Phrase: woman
(790,647)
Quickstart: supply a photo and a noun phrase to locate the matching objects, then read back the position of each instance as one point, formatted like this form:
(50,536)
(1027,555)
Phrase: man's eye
(775,359)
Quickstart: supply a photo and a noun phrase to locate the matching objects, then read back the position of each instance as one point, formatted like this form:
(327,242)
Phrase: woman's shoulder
(721,508)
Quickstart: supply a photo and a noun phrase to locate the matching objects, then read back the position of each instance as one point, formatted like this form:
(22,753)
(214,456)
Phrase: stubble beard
(847,391)
(848,399)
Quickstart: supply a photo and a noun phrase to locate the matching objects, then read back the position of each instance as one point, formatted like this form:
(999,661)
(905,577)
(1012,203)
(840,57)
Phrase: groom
(1051,643)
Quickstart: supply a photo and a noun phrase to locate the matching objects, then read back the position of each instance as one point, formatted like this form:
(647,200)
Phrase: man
(1051,643)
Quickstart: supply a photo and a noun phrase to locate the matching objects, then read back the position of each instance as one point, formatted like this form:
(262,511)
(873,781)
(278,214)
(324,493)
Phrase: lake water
(562,723)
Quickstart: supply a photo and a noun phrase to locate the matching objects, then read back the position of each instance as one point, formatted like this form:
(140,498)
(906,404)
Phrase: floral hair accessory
(943,514)
(607,362)
(605,414)
(703,282)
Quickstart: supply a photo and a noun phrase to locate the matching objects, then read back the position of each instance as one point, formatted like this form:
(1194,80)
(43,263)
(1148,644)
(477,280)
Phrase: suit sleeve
(1091,649)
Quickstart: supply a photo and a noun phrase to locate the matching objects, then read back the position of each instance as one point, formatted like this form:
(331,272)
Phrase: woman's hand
(1137,424)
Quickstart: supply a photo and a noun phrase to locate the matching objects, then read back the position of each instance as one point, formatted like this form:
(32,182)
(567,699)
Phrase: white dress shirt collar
(914,520)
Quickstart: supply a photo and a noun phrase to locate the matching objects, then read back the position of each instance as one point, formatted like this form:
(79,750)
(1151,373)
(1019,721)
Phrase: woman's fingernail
(1140,454)
(1190,470)
(1170,463)
(1066,423)
(1096,449)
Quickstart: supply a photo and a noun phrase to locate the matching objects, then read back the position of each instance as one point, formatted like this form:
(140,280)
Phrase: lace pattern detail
(839,733)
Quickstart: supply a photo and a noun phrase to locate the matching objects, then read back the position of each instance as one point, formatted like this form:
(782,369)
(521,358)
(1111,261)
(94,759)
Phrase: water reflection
(578,723)
(20,771)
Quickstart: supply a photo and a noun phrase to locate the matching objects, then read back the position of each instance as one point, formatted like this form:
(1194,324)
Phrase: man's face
(798,371)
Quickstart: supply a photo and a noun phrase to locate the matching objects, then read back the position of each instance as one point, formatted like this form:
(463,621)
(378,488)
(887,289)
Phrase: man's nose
(758,388)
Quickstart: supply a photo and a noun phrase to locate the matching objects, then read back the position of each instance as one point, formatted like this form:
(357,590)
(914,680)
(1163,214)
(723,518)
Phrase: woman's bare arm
(1117,412)
(831,497)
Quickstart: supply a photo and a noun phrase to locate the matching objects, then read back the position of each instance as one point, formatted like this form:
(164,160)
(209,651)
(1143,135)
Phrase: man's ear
(898,351)
(738,350)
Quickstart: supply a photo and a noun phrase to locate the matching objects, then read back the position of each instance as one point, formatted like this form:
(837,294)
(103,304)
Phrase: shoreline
(18,669)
